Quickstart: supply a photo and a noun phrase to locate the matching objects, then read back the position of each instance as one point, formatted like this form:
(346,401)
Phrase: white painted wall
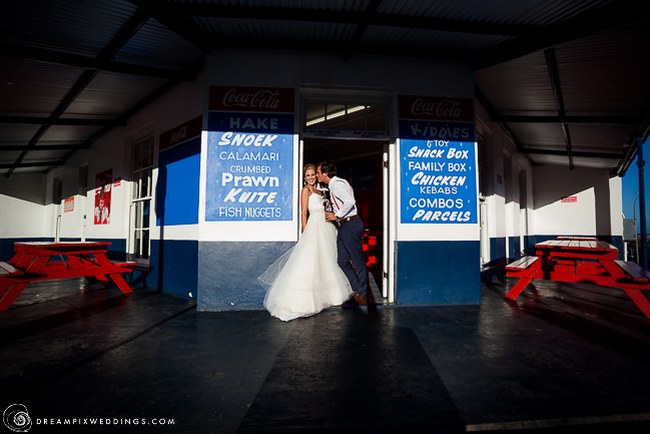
(21,218)
(23,209)
(616,204)
(595,211)
(72,221)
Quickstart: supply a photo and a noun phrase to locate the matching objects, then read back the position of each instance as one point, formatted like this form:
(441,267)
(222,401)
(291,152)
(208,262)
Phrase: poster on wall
(103,184)
(437,160)
(68,204)
(249,174)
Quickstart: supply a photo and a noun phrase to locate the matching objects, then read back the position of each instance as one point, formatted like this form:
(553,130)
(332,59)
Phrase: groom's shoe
(349,303)
(360,299)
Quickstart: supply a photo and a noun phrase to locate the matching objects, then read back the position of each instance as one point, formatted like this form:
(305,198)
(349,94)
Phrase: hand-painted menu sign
(438,160)
(250,154)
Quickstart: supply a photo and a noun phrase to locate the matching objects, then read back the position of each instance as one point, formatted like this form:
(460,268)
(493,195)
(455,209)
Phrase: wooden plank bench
(143,271)
(523,263)
(634,272)
(525,269)
(7,270)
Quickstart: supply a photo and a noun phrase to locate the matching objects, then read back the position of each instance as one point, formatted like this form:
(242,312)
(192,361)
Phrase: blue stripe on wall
(7,245)
(497,249)
(514,247)
(174,267)
(228,274)
(117,249)
(431,273)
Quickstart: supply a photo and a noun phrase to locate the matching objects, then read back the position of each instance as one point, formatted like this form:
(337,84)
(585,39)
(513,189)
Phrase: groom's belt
(344,220)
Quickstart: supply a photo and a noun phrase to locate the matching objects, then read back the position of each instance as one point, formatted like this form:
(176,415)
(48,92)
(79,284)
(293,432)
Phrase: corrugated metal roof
(157,46)
(70,70)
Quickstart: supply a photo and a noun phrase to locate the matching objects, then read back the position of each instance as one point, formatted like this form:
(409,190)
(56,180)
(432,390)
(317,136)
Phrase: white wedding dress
(307,279)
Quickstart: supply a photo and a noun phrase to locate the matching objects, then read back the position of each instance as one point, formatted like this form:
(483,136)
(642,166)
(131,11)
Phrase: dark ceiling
(567,80)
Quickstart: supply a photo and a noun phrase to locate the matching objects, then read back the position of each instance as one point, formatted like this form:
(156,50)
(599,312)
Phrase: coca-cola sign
(181,133)
(418,107)
(251,99)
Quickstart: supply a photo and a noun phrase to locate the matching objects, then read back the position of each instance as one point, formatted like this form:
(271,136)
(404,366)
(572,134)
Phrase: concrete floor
(569,358)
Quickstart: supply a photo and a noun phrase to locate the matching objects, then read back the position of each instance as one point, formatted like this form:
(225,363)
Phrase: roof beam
(603,120)
(13,51)
(190,71)
(593,20)
(137,20)
(43,148)
(573,153)
(494,114)
(177,22)
(554,75)
(13,166)
(35,120)
(362,25)
(343,17)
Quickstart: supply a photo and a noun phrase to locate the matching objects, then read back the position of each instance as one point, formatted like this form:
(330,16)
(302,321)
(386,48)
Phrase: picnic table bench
(581,259)
(35,261)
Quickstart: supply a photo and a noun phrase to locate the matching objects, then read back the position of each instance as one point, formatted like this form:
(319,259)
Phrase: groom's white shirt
(342,197)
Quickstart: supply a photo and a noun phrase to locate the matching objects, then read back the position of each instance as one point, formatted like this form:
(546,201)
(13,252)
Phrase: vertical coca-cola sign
(438,160)
(250,154)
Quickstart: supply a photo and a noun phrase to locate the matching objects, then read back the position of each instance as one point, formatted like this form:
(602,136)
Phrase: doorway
(361,163)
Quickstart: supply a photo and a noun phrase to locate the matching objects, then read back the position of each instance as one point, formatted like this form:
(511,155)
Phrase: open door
(367,173)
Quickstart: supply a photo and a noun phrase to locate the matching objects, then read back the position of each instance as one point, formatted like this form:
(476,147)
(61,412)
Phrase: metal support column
(644,239)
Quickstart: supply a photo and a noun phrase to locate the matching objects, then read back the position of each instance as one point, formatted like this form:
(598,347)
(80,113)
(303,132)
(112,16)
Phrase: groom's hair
(329,168)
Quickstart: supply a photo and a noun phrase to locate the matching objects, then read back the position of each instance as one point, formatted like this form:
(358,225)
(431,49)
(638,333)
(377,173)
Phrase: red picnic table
(581,259)
(34,261)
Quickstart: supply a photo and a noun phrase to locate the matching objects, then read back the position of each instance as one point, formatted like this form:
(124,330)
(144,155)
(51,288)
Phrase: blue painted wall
(177,189)
(497,248)
(514,247)
(431,273)
(174,267)
(228,273)
(7,245)
(117,249)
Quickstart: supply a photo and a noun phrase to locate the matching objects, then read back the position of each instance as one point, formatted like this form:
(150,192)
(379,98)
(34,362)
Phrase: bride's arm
(304,203)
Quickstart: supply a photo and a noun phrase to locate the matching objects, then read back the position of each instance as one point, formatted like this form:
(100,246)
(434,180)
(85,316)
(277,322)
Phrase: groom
(351,258)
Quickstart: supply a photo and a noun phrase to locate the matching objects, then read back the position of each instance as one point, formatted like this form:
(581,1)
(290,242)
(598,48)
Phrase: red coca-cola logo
(260,99)
(445,108)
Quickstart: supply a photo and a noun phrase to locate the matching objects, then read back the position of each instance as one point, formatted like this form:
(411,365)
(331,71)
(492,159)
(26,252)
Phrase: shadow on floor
(562,358)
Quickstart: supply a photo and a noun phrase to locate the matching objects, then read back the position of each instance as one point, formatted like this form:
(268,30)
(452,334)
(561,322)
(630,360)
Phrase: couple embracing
(327,267)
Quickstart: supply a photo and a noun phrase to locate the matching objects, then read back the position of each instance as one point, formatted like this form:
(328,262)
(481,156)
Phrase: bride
(307,279)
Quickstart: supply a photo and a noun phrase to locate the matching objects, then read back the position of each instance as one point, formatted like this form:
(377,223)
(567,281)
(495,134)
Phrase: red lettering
(261,99)
(447,108)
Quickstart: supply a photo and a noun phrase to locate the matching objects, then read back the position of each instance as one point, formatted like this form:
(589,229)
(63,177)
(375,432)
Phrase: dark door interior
(361,164)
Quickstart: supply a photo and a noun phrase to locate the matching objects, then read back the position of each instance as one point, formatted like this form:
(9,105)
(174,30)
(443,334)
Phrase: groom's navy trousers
(351,257)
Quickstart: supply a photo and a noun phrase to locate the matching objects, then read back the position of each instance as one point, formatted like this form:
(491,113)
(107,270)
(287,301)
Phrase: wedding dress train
(307,279)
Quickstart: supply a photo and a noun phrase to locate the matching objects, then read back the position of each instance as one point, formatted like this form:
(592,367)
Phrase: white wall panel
(22,218)
(571,202)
